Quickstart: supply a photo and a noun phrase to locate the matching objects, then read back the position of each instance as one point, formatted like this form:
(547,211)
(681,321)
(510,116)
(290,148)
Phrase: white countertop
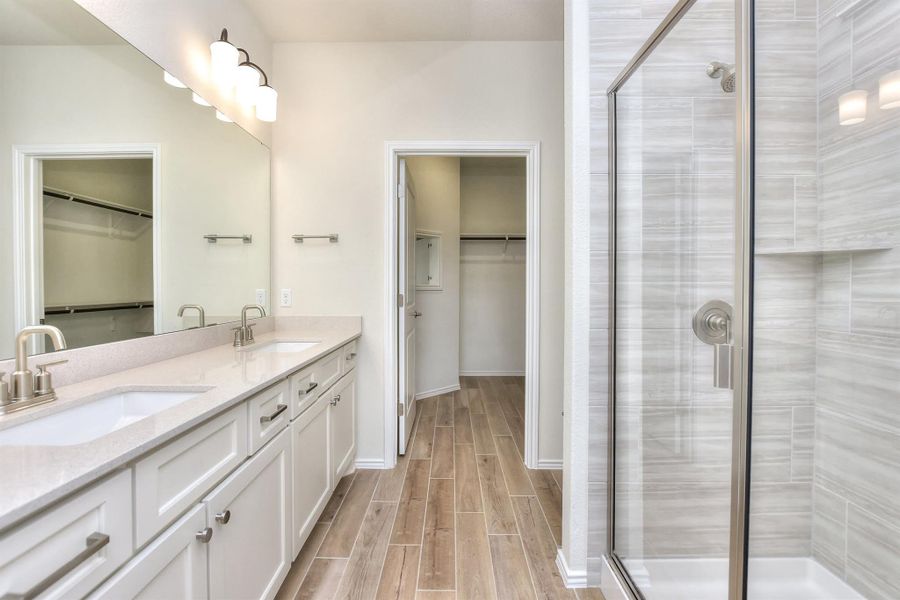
(32,477)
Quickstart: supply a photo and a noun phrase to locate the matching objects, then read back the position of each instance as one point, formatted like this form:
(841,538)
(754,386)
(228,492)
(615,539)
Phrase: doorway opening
(463,283)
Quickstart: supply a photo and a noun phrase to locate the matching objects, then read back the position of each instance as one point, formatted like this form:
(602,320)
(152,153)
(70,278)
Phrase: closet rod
(489,237)
(97,203)
(87,308)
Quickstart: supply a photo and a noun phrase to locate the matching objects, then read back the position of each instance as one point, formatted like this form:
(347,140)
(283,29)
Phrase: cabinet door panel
(174,477)
(311,469)
(342,421)
(34,550)
(249,555)
(172,566)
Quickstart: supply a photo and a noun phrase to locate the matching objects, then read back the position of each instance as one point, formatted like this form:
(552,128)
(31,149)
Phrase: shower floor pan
(707,579)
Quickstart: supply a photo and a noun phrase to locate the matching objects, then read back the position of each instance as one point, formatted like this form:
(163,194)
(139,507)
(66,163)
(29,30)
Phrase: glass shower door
(673,266)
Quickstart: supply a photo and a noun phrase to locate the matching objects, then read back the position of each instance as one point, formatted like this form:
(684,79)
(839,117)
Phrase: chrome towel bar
(299,237)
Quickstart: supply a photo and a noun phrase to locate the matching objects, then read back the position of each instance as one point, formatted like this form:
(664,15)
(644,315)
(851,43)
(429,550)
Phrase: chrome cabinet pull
(335,400)
(223,517)
(311,387)
(351,356)
(279,408)
(94,543)
(204,535)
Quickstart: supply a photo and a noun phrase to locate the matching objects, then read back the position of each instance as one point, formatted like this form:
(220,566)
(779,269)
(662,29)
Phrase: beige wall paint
(492,274)
(340,104)
(436,180)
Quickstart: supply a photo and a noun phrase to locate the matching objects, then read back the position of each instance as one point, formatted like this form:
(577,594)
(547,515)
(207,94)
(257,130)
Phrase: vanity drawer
(349,355)
(309,383)
(268,413)
(90,534)
(177,475)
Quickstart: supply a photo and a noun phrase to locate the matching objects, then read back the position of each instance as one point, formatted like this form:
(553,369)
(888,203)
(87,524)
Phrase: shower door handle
(712,325)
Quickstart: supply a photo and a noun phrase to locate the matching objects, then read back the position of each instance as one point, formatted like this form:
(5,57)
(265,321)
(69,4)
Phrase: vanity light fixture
(171,80)
(852,107)
(889,90)
(262,95)
(223,117)
(199,100)
(224,60)
(246,80)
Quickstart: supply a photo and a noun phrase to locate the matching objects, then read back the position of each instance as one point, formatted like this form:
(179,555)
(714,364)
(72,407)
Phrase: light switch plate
(287,297)
(261,297)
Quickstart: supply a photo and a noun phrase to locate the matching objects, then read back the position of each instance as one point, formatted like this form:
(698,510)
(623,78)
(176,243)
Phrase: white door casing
(406,201)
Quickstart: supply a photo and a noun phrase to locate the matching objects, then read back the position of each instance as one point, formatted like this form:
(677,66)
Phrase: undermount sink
(284,347)
(94,419)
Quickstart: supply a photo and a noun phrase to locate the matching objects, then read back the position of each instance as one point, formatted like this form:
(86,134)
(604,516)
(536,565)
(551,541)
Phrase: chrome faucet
(196,307)
(243,335)
(25,388)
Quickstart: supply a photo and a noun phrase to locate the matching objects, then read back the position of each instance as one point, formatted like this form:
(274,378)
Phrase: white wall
(176,34)
(339,104)
(492,274)
(437,181)
(214,176)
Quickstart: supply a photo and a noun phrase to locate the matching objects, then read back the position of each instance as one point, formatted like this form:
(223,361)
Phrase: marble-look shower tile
(829,529)
(599,160)
(770,458)
(859,375)
(779,10)
(598,379)
(805,9)
(714,122)
(786,136)
(833,293)
(615,41)
(806,212)
(614,9)
(780,534)
(599,213)
(654,135)
(598,423)
(860,461)
(785,292)
(703,9)
(597,533)
(802,442)
(599,290)
(786,35)
(875,38)
(875,293)
(835,67)
(778,77)
(774,212)
(679,81)
(780,498)
(873,554)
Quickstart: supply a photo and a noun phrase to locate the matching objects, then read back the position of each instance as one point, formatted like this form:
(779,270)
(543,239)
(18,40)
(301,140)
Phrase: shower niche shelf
(822,250)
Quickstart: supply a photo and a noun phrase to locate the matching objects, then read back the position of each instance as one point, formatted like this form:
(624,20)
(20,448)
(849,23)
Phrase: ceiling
(51,23)
(409,20)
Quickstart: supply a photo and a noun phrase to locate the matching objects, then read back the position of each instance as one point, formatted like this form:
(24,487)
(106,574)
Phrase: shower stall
(754,302)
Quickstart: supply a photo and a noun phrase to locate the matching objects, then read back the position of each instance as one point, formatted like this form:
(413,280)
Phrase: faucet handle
(43,382)
(4,389)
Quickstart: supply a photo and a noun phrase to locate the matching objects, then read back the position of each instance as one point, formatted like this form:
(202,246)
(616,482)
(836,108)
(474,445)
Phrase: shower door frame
(743,293)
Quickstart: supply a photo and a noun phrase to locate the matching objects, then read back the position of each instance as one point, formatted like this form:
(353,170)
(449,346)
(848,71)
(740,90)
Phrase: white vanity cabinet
(312,481)
(172,566)
(342,424)
(70,548)
(249,514)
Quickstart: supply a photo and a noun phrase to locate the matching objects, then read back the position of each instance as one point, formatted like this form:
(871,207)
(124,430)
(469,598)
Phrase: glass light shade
(852,107)
(266,103)
(889,90)
(223,117)
(172,80)
(246,82)
(197,99)
(223,64)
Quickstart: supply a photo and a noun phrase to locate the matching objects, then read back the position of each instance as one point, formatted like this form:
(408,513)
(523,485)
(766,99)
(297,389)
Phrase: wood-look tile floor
(459,517)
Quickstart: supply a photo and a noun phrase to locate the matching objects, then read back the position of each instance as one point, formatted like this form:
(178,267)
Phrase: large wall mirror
(113,188)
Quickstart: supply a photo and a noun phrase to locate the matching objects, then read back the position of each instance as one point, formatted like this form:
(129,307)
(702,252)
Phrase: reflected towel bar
(299,237)
(212,238)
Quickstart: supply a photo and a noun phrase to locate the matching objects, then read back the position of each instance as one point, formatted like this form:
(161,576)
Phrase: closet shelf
(492,237)
(822,250)
(70,309)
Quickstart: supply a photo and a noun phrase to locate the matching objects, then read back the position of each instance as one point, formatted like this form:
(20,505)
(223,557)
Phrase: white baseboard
(369,463)
(571,579)
(437,392)
(550,464)
(492,373)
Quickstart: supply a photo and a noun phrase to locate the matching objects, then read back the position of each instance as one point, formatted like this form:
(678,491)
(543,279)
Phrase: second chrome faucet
(243,335)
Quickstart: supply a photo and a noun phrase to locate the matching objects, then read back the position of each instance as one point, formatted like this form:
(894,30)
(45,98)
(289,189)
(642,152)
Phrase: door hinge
(401,301)
(401,409)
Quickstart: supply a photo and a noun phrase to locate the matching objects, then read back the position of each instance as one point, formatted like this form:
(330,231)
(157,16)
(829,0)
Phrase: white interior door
(407,306)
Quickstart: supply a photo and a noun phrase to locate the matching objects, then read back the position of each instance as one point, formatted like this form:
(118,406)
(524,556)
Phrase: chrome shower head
(724,71)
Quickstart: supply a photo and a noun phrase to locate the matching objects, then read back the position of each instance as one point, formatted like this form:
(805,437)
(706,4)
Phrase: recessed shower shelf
(813,251)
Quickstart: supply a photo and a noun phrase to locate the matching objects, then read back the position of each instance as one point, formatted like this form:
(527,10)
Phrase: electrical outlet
(261,297)
(287,297)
